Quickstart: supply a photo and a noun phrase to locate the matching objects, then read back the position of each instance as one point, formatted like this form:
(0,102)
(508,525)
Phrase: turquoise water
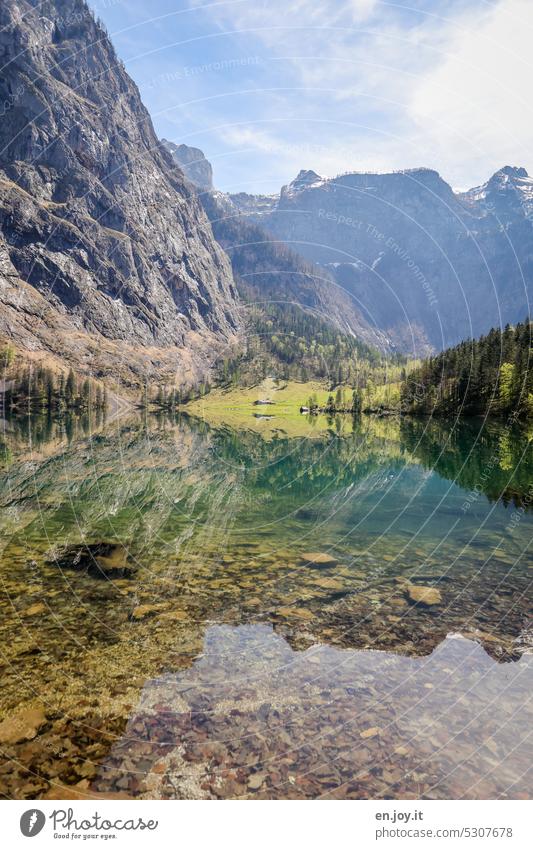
(157,570)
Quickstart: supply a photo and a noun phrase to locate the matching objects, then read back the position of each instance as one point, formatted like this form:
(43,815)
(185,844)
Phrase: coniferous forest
(294,344)
(32,388)
(487,376)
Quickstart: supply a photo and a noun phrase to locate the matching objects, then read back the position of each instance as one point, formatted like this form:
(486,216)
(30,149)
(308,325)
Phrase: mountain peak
(511,171)
(306,176)
(192,162)
(304,180)
(509,191)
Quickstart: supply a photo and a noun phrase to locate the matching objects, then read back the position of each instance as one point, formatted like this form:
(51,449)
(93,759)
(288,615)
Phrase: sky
(268,87)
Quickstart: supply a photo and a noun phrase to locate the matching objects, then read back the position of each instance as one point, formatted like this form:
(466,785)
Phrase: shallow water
(166,631)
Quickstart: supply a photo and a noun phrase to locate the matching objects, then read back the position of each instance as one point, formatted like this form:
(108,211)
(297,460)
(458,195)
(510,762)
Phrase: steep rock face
(266,271)
(100,230)
(193,163)
(430,266)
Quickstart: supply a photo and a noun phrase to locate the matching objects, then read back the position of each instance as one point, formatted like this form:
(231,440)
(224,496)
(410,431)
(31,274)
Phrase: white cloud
(275,13)
(475,108)
(361,84)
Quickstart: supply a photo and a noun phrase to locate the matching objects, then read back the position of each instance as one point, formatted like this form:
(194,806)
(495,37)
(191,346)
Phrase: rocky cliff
(193,163)
(106,257)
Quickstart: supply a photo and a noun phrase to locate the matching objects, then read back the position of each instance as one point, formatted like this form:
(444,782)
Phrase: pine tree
(86,393)
(49,388)
(489,375)
(70,388)
(357,401)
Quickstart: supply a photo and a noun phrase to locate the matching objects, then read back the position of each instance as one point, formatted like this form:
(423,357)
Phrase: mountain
(193,163)
(509,192)
(429,265)
(267,272)
(107,260)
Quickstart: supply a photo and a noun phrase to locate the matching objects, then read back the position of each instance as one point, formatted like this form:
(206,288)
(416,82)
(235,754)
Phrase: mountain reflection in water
(363,552)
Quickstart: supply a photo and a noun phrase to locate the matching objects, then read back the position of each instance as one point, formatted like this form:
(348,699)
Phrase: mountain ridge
(268,271)
(431,265)
(421,265)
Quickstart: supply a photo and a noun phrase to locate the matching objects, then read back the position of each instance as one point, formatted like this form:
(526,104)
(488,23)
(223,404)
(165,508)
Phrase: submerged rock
(318,559)
(175,616)
(295,612)
(369,732)
(144,610)
(34,609)
(81,791)
(423,595)
(22,726)
(100,560)
(256,781)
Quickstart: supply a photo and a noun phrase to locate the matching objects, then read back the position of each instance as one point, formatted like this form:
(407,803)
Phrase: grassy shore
(236,407)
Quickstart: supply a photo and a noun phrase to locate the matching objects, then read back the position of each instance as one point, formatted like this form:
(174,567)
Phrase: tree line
(33,388)
(486,376)
(285,341)
(344,401)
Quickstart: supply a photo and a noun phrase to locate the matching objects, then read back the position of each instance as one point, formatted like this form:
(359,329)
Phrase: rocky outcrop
(106,257)
(427,266)
(193,163)
(253,204)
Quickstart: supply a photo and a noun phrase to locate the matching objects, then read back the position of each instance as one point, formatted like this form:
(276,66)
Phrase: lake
(201,611)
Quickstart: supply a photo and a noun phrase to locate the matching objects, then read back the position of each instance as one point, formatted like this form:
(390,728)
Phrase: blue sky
(268,88)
